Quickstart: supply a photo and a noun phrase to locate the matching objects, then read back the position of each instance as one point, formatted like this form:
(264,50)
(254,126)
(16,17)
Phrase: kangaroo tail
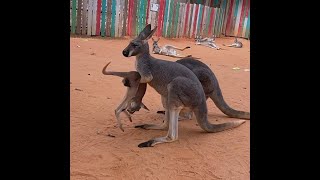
(193,57)
(218,100)
(202,119)
(182,49)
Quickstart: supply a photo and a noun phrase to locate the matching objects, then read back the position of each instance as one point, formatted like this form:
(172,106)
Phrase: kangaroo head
(156,48)
(213,37)
(235,40)
(155,43)
(139,45)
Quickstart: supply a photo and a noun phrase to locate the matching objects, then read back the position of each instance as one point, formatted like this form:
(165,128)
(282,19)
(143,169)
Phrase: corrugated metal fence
(174,18)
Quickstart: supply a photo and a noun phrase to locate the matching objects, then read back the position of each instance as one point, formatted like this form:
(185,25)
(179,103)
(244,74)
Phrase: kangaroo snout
(125,53)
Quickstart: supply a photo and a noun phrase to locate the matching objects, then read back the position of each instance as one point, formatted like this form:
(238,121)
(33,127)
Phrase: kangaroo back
(211,87)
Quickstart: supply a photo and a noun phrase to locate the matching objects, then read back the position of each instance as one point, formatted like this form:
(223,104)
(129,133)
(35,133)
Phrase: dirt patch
(100,150)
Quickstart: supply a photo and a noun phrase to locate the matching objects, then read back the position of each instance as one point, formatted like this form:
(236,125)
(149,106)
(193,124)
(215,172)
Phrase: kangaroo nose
(125,53)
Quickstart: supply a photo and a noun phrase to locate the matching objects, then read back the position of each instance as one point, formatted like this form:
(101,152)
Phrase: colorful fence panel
(173,18)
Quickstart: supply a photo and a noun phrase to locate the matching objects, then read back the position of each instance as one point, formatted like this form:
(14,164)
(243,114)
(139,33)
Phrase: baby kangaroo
(132,100)
(236,44)
(167,50)
(178,86)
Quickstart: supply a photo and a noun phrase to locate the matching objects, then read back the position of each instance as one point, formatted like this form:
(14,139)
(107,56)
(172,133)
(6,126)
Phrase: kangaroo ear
(145,32)
(151,33)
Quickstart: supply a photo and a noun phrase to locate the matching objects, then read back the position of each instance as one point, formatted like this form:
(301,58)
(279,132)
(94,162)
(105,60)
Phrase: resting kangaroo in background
(132,100)
(168,50)
(236,44)
(178,86)
(208,42)
(211,87)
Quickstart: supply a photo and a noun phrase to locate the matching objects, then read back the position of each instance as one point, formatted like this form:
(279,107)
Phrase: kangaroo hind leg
(174,104)
(164,125)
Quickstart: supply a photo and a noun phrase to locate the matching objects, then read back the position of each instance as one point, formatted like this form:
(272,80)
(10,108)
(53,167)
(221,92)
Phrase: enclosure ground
(100,150)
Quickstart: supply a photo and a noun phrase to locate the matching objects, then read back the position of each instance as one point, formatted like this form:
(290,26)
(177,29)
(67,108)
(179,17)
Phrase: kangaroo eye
(134,45)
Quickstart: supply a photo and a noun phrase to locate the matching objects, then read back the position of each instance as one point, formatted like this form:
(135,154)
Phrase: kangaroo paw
(146,144)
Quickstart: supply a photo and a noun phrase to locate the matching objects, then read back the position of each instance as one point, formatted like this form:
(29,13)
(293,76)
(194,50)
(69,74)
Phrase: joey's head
(140,44)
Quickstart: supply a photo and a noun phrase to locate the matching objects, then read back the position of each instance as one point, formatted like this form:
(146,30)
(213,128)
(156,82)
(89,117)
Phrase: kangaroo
(178,86)
(236,44)
(211,88)
(208,42)
(132,100)
(168,50)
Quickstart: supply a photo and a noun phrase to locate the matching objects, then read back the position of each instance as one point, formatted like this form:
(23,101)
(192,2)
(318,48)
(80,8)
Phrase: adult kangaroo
(167,50)
(235,44)
(211,88)
(178,86)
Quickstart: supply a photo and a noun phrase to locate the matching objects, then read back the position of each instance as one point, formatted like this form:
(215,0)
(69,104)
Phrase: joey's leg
(128,115)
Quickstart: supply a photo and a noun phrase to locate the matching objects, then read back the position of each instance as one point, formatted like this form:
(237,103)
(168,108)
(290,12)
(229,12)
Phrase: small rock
(93,53)
(78,89)
(89,74)
(78,46)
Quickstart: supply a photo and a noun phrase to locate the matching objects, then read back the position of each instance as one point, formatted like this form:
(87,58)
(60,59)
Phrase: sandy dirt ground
(196,155)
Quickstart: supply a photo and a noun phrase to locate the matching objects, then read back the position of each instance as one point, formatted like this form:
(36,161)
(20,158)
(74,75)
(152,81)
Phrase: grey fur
(168,50)
(178,86)
(211,88)
(235,44)
(208,42)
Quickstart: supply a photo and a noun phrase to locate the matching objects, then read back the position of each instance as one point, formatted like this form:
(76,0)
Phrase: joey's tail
(120,74)
(202,119)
